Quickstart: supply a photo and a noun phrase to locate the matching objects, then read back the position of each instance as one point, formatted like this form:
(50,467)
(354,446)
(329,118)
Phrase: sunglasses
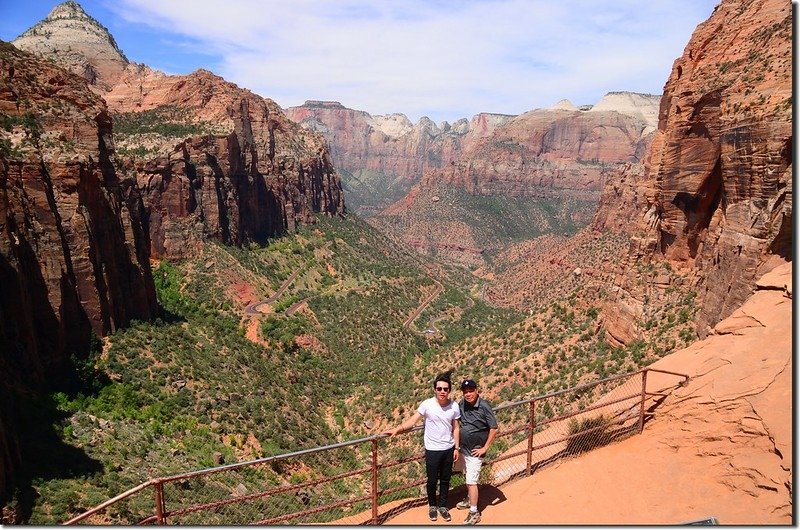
(442,389)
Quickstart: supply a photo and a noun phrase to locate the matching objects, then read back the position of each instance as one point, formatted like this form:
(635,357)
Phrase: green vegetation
(202,386)
(166,121)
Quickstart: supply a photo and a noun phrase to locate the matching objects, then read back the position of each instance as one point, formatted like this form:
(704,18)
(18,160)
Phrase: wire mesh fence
(366,481)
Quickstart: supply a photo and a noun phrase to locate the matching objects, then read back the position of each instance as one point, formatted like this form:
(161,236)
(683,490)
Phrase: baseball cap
(468,383)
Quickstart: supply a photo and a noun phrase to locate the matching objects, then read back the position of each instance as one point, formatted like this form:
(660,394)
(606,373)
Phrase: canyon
(108,166)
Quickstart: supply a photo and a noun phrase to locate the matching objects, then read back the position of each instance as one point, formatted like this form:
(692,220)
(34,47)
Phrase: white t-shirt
(439,423)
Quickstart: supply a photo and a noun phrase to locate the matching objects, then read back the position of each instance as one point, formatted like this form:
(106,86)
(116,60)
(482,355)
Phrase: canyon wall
(83,210)
(716,199)
(246,172)
(211,159)
(539,153)
(74,246)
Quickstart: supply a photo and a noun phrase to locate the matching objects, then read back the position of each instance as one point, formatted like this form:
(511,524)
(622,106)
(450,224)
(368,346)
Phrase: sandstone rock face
(211,159)
(73,248)
(547,151)
(716,200)
(381,156)
(247,172)
(559,158)
(77,42)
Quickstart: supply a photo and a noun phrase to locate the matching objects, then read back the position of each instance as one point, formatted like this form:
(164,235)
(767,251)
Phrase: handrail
(160,514)
(111,501)
(572,389)
(266,459)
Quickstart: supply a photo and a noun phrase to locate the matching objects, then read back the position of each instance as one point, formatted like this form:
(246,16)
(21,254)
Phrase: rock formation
(716,197)
(559,158)
(74,247)
(203,158)
(211,159)
(381,157)
(547,150)
(77,42)
(246,173)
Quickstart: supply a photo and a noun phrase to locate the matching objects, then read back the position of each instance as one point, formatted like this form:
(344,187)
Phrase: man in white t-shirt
(441,434)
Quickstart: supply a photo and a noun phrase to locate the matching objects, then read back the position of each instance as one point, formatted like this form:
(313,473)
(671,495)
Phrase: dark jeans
(439,467)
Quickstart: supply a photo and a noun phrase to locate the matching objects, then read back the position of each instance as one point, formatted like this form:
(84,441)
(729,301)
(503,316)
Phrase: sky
(444,59)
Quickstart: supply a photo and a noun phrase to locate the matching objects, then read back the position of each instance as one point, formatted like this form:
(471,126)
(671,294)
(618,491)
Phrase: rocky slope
(211,159)
(716,199)
(74,244)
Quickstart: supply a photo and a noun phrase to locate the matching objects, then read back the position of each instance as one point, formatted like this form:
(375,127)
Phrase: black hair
(443,377)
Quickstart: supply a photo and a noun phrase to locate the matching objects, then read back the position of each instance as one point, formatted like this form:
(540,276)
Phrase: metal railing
(368,480)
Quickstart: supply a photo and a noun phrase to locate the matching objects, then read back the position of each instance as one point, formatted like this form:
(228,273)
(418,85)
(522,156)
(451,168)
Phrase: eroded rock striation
(716,200)
(245,173)
(546,151)
(381,157)
(74,247)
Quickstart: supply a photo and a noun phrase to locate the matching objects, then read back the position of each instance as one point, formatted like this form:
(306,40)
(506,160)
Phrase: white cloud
(442,58)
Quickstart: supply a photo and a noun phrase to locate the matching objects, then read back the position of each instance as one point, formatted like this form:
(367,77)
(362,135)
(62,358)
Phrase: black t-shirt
(475,424)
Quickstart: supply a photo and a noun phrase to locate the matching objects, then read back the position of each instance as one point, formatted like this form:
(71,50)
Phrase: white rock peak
(643,106)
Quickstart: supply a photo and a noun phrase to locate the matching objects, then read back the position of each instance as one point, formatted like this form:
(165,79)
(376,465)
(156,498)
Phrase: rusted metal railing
(366,481)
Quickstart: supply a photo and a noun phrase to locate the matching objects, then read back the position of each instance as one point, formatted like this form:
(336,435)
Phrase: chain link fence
(367,481)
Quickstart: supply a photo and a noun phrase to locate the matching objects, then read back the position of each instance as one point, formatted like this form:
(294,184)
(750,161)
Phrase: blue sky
(445,59)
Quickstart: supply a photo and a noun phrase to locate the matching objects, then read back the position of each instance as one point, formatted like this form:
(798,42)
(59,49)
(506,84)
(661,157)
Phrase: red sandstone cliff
(383,156)
(716,198)
(542,152)
(547,152)
(231,167)
(247,173)
(73,247)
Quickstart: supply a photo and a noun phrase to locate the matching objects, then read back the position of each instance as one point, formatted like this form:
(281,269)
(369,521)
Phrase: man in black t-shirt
(478,430)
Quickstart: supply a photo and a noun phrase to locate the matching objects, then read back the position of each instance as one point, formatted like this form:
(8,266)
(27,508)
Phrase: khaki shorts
(470,465)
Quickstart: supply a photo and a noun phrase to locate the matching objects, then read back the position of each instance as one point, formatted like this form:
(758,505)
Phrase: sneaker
(432,513)
(444,513)
(473,518)
(463,505)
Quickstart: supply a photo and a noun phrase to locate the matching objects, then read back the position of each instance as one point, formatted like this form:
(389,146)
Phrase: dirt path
(253,309)
(414,314)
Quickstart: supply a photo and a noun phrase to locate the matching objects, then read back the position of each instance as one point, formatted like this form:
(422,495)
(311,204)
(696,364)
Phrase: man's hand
(479,452)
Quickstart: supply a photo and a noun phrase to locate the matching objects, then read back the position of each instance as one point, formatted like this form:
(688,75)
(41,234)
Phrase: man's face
(470,395)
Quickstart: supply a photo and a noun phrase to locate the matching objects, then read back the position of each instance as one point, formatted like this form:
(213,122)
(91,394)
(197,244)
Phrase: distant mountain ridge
(382,157)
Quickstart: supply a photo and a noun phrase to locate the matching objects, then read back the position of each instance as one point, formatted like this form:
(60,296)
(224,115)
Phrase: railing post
(374,481)
(160,517)
(641,405)
(530,436)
